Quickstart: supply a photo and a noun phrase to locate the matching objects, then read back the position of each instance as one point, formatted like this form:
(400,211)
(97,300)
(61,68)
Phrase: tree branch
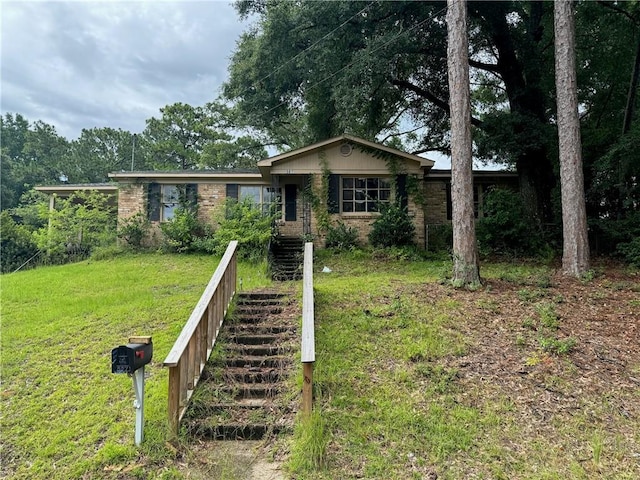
(489,67)
(617,9)
(430,97)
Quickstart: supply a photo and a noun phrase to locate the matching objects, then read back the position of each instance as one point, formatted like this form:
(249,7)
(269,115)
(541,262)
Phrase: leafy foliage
(504,229)
(341,237)
(17,245)
(79,223)
(245,222)
(134,230)
(393,228)
(183,232)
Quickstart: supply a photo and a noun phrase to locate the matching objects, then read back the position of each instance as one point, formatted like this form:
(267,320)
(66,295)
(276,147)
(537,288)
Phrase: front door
(290,202)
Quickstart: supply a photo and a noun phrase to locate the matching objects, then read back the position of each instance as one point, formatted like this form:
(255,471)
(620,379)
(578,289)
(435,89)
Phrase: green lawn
(64,415)
(413,378)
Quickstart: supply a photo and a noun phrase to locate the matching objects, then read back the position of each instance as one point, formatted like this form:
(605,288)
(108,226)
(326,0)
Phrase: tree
(187,137)
(378,71)
(100,151)
(466,269)
(575,252)
(32,154)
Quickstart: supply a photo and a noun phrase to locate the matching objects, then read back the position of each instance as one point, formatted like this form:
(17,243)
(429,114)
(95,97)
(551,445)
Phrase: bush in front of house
(134,230)
(393,228)
(341,237)
(184,232)
(245,222)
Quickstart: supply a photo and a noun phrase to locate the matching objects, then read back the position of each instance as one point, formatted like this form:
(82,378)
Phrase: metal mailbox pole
(138,404)
(131,359)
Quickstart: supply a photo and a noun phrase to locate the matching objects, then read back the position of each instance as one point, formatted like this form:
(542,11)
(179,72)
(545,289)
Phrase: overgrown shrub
(630,251)
(393,228)
(504,230)
(80,223)
(341,236)
(134,230)
(17,244)
(618,237)
(440,238)
(245,222)
(184,232)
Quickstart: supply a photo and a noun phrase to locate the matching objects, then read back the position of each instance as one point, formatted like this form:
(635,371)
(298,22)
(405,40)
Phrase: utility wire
(330,76)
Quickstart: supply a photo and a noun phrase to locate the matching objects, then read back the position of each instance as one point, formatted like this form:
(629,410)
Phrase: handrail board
(189,328)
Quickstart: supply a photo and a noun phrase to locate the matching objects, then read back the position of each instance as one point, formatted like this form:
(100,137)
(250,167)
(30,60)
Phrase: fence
(190,352)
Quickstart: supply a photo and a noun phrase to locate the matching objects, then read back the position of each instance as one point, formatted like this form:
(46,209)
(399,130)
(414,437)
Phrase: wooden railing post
(190,352)
(308,349)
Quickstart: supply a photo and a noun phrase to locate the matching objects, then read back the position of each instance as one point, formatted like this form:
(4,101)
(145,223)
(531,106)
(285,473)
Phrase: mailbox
(130,357)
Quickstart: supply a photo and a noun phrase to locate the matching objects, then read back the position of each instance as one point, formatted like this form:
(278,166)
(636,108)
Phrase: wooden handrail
(192,349)
(308,353)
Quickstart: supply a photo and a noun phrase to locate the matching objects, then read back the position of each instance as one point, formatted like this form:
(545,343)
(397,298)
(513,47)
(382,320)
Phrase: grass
(64,415)
(394,399)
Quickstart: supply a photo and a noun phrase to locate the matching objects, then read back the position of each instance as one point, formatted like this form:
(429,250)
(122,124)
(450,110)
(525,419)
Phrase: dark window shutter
(333,202)
(232,190)
(401,184)
(192,195)
(153,202)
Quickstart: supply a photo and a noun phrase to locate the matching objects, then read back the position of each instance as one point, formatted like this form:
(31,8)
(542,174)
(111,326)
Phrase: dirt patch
(230,460)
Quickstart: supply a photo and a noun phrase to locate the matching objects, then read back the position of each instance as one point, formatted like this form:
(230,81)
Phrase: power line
(328,77)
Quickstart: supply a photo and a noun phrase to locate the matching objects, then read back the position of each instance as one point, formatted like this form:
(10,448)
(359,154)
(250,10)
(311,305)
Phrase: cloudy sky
(81,64)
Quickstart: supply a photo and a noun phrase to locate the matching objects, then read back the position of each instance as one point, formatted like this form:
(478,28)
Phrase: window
(479,190)
(170,199)
(364,194)
(163,200)
(262,197)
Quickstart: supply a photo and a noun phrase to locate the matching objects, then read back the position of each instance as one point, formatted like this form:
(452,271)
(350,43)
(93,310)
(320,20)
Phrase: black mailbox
(130,357)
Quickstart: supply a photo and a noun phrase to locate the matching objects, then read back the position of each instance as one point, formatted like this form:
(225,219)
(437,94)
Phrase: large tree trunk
(575,253)
(466,270)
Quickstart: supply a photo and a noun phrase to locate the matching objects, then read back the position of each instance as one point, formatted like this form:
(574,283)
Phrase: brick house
(346,177)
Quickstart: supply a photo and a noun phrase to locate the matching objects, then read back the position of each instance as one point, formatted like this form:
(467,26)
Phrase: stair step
(251,390)
(255,328)
(242,375)
(258,361)
(256,339)
(238,431)
(268,350)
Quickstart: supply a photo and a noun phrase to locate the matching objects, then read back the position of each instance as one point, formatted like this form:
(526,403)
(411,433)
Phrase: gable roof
(266,164)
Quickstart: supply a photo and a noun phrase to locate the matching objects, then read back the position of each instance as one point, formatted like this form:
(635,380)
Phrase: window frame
(366,191)
(264,203)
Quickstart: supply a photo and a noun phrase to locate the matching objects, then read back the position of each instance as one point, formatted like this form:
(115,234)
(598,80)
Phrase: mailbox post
(131,359)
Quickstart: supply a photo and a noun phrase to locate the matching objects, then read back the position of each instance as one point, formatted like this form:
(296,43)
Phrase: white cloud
(92,64)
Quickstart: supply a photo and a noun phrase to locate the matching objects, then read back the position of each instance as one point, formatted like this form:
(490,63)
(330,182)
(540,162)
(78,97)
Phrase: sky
(85,64)
(81,64)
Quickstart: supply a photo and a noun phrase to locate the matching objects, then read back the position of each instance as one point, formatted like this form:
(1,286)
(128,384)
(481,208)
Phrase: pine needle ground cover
(64,415)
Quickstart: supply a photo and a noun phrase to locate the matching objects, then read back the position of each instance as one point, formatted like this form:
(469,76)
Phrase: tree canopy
(310,70)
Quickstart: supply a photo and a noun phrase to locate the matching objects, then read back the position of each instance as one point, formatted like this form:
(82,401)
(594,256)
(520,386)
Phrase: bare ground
(567,391)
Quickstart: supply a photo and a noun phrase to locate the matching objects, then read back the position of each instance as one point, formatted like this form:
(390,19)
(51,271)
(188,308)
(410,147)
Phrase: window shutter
(333,202)
(153,202)
(232,190)
(401,184)
(192,195)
